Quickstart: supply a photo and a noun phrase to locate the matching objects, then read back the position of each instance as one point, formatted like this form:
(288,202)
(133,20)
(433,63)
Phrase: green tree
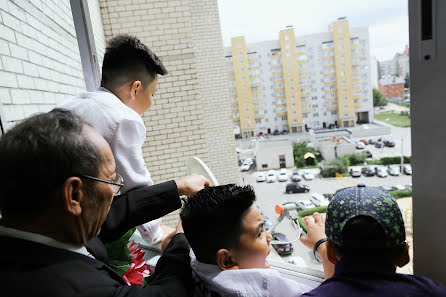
(379,99)
(338,165)
(379,70)
(407,80)
(299,151)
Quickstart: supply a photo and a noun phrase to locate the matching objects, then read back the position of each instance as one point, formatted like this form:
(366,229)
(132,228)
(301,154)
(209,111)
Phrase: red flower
(138,269)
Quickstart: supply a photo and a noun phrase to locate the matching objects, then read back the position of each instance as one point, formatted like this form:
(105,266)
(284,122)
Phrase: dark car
(378,144)
(282,249)
(297,188)
(368,171)
(371,141)
(388,143)
(368,154)
(284,132)
(276,132)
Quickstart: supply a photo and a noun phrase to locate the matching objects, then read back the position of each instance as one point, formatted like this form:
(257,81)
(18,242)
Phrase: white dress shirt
(125,132)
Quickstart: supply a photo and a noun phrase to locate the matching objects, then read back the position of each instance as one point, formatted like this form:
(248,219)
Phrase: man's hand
(191,184)
(315,229)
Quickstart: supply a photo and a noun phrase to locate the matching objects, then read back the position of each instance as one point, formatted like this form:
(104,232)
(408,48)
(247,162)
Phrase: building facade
(40,66)
(399,65)
(298,83)
(392,87)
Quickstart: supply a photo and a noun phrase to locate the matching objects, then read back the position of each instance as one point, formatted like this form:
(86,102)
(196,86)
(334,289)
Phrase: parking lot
(270,194)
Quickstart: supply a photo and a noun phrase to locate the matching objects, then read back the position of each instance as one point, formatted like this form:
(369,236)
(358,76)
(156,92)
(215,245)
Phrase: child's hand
(315,229)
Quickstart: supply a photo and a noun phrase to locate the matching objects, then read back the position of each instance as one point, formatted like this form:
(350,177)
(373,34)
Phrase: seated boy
(227,236)
(366,241)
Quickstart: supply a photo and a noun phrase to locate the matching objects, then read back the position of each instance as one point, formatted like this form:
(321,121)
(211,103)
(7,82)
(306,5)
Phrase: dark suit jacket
(32,269)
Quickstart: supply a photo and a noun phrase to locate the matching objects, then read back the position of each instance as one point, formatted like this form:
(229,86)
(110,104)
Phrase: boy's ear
(405,258)
(331,254)
(225,260)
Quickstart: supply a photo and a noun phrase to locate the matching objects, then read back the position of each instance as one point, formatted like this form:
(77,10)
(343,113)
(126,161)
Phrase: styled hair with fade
(37,156)
(212,219)
(127,59)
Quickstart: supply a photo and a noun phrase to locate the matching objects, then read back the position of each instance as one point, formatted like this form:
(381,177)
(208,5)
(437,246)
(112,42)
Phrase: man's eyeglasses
(117,183)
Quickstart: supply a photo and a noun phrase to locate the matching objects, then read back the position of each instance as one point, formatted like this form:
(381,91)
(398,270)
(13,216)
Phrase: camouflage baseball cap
(367,201)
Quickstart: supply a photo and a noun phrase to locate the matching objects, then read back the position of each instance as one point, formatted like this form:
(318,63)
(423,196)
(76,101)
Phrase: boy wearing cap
(366,241)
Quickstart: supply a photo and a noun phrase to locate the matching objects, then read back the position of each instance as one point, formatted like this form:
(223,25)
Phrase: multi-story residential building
(298,83)
(392,87)
(399,65)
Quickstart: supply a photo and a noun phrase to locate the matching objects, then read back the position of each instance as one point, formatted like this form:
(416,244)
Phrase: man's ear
(225,261)
(136,87)
(72,195)
(331,254)
(405,258)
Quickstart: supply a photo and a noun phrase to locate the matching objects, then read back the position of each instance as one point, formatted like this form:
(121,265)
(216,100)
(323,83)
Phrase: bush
(401,194)
(338,165)
(299,151)
(394,160)
(308,212)
(356,159)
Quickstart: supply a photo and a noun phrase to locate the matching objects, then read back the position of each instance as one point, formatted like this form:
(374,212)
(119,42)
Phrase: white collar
(39,238)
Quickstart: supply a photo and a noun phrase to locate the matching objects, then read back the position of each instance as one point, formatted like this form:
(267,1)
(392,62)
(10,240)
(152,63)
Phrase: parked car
(368,171)
(368,154)
(282,249)
(319,200)
(271,177)
(260,134)
(246,166)
(378,144)
(296,176)
(381,171)
(308,175)
(386,188)
(355,172)
(296,188)
(407,169)
(261,177)
(365,141)
(398,188)
(304,204)
(408,187)
(372,141)
(394,170)
(283,175)
(284,132)
(388,143)
(360,146)
(276,132)
(249,160)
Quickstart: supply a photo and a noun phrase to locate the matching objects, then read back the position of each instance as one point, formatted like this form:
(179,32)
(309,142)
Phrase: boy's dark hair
(37,156)
(127,58)
(212,219)
(364,240)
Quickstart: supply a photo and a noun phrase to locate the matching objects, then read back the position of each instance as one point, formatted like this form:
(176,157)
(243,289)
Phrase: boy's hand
(315,229)
(191,184)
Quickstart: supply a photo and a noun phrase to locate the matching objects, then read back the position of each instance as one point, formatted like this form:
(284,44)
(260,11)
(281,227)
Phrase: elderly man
(58,180)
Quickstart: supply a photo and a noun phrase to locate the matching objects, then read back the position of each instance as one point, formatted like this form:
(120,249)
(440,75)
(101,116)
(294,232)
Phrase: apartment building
(399,65)
(298,83)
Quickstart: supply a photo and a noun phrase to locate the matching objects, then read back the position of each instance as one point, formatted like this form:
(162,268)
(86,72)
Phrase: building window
(264,165)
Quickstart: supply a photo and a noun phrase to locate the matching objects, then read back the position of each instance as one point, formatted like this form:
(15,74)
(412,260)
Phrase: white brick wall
(39,57)
(191,112)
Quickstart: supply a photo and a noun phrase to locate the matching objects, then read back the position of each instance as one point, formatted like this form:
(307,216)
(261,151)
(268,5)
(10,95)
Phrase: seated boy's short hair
(212,219)
(365,223)
(126,58)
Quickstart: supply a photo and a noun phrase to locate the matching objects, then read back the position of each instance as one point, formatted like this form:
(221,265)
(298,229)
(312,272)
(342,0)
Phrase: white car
(355,172)
(319,200)
(308,175)
(360,146)
(283,175)
(271,177)
(245,166)
(249,161)
(394,170)
(304,204)
(261,177)
(381,171)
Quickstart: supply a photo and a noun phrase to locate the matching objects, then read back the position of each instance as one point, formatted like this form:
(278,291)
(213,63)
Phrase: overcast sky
(260,20)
